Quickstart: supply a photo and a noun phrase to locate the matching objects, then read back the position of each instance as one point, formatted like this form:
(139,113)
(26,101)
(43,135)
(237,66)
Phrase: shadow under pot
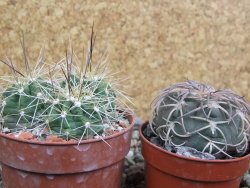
(164,169)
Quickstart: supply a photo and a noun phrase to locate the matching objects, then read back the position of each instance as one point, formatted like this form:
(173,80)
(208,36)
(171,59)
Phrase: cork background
(152,44)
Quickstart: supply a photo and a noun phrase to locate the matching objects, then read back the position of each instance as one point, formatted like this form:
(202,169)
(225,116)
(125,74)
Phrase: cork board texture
(152,44)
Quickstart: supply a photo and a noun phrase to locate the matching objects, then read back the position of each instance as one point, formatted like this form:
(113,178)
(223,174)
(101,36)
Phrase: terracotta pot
(92,164)
(165,169)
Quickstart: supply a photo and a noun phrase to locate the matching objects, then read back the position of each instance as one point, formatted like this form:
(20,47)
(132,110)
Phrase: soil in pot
(165,169)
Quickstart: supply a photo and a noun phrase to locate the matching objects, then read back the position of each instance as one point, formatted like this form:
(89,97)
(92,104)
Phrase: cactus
(196,115)
(72,104)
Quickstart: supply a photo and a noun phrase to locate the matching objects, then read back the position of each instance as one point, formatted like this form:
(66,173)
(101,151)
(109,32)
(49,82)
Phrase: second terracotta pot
(164,169)
(91,164)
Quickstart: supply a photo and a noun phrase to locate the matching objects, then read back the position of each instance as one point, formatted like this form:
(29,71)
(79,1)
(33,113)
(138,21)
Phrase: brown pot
(164,169)
(92,164)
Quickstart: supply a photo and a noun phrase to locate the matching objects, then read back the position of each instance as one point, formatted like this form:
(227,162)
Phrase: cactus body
(86,113)
(196,115)
(79,111)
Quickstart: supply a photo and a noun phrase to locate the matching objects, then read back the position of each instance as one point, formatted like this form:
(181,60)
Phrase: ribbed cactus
(23,103)
(198,116)
(83,109)
(66,101)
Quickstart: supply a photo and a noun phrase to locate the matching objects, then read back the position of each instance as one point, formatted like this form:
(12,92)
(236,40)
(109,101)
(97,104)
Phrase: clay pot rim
(65,143)
(186,158)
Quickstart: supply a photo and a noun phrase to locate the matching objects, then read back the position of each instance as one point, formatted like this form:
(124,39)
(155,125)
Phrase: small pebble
(248,181)
(130,154)
(133,143)
(135,135)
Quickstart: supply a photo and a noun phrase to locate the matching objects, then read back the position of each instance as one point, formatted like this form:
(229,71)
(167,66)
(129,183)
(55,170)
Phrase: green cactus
(72,103)
(198,116)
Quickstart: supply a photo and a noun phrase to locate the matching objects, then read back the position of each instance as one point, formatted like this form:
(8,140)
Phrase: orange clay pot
(165,169)
(92,164)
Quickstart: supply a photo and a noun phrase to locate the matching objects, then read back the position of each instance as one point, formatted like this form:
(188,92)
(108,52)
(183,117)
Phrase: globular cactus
(66,101)
(196,115)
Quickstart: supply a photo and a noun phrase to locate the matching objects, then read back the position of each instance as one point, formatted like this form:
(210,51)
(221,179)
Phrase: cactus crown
(196,115)
(69,101)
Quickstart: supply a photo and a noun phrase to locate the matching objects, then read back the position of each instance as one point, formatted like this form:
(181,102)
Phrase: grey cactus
(196,115)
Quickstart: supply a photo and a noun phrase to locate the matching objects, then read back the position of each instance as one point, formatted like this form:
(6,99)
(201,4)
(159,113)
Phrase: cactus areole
(196,115)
